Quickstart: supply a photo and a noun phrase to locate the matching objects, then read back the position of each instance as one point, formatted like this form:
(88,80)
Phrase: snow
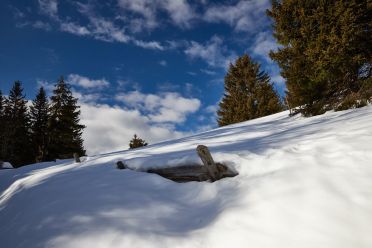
(303,182)
(6,165)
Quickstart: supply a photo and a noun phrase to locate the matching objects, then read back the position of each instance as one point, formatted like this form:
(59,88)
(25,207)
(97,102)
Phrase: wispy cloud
(213,52)
(263,44)
(208,72)
(147,12)
(245,15)
(98,27)
(155,45)
(49,87)
(74,28)
(180,12)
(87,83)
(42,25)
(163,63)
(49,7)
(164,107)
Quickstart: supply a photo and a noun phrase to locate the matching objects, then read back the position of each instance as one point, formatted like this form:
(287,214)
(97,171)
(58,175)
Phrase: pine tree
(18,148)
(64,129)
(2,127)
(137,142)
(324,47)
(248,93)
(39,113)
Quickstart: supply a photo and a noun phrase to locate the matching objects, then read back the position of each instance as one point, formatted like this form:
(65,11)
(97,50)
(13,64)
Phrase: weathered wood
(76,157)
(288,105)
(208,162)
(185,173)
(120,165)
(188,173)
(195,172)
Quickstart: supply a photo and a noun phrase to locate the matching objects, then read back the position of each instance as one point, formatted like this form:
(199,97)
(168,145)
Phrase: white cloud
(111,128)
(191,73)
(212,108)
(48,87)
(105,30)
(148,44)
(98,27)
(165,107)
(213,52)
(145,8)
(179,11)
(49,7)
(163,63)
(42,25)
(87,97)
(263,44)
(274,72)
(74,28)
(243,16)
(87,83)
(208,72)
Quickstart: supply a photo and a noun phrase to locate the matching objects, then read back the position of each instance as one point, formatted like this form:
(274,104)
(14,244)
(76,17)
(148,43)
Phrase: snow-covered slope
(301,183)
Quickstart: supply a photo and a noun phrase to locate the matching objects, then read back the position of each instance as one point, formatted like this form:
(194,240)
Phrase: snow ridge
(303,182)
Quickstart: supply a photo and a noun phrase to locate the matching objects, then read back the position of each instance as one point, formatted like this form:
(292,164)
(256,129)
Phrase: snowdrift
(301,183)
(6,165)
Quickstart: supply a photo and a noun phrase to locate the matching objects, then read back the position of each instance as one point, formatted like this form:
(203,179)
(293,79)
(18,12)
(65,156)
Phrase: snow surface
(303,182)
(6,165)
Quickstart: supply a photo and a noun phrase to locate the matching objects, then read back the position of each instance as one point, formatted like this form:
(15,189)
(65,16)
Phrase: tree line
(45,130)
(325,57)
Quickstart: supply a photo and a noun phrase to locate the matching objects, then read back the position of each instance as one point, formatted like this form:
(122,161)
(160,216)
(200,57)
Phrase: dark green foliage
(248,93)
(137,142)
(2,127)
(17,147)
(326,52)
(64,129)
(39,114)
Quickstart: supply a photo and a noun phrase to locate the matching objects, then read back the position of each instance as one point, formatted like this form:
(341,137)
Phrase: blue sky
(151,67)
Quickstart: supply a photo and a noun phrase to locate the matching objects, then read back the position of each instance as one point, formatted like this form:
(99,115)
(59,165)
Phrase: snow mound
(6,165)
(303,182)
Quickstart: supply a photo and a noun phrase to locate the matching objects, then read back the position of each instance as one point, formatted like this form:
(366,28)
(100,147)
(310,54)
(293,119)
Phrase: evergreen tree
(18,148)
(39,113)
(325,45)
(64,129)
(248,93)
(2,127)
(137,142)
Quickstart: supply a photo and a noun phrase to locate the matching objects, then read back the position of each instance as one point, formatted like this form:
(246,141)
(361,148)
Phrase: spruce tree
(2,127)
(39,114)
(65,131)
(18,147)
(248,93)
(324,47)
(137,142)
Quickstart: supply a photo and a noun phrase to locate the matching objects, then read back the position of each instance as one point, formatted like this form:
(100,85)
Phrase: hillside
(303,182)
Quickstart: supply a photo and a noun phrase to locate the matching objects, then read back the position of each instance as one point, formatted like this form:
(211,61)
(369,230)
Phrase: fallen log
(210,171)
(188,173)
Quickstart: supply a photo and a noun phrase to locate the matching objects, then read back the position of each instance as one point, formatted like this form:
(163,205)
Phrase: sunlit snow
(303,182)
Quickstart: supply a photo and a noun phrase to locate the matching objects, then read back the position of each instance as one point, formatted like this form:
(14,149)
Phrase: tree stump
(208,162)
(76,158)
